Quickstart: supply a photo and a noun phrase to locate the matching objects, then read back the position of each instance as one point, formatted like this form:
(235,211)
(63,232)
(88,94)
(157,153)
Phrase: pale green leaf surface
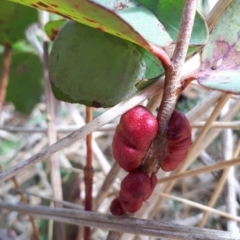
(90,14)
(220,68)
(141,19)
(169,13)
(228,81)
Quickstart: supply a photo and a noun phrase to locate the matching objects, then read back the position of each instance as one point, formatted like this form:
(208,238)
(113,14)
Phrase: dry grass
(200,200)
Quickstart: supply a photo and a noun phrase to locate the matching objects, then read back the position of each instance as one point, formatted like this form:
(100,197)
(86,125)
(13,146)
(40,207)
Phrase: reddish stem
(189,78)
(162,55)
(88,174)
(7,56)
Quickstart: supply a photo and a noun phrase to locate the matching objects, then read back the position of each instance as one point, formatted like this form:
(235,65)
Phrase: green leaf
(14,19)
(90,14)
(145,82)
(169,13)
(25,85)
(220,68)
(154,67)
(95,68)
(221,80)
(23,46)
(64,97)
(141,19)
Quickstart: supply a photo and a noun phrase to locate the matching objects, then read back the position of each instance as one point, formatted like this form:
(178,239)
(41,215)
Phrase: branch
(122,224)
(172,87)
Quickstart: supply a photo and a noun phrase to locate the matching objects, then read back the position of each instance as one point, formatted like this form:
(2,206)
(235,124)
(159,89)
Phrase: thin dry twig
(201,206)
(106,185)
(227,143)
(4,188)
(59,129)
(63,203)
(55,173)
(52,136)
(235,125)
(123,224)
(231,125)
(202,107)
(214,167)
(214,132)
(219,187)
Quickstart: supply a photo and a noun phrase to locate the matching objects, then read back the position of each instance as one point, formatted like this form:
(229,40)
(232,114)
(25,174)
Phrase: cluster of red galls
(134,134)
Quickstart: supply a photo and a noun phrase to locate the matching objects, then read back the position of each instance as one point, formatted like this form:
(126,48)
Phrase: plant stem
(56,182)
(172,88)
(162,55)
(88,174)
(5,74)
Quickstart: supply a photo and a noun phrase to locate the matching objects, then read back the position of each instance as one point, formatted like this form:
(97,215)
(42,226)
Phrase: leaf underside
(220,66)
(95,15)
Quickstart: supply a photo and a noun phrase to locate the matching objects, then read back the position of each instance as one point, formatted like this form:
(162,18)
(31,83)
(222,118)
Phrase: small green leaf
(23,46)
(154,67)
(169,13)
(95,68)
(221,56)
(145,82)
(25,85)
(14,19)
(52,28)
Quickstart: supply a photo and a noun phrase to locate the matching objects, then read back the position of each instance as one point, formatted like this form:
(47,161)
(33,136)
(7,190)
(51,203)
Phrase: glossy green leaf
(95,68)
(25,85)
(169,13)
(220,68)
(14,19)
(91,14)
